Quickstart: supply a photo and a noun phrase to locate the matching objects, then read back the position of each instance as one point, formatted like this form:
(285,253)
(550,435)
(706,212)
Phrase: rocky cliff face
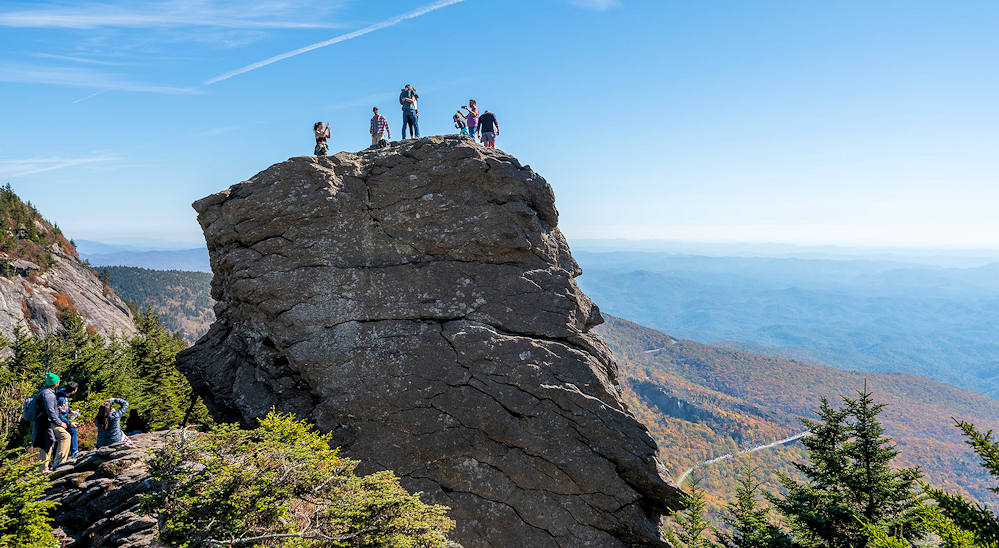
(419,302)
(33,295)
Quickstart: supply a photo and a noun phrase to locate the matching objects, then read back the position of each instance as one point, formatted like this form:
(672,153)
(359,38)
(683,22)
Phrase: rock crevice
(419,302)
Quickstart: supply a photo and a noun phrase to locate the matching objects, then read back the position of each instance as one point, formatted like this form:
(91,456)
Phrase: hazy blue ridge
(850,314)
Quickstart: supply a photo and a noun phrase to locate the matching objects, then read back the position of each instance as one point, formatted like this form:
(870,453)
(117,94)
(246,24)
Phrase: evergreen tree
(960,517)
(849,482)
(814,508)
(24,519)
(880,494)
(750,524)
(693,527)
(164,394)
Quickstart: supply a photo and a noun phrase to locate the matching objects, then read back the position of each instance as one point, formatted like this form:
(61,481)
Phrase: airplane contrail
(336,40)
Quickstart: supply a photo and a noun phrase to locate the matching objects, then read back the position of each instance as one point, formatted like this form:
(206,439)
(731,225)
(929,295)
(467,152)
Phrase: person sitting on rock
(489,129)
(459,123)
(50,435)
(68,415)
(321,136)
(379,127)
(108,422)
(410,119)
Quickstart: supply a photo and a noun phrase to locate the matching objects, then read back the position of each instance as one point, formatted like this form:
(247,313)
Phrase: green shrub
(24,519)
(281,485)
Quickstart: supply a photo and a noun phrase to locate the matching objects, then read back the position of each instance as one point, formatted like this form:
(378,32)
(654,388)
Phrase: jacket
(46,418)
(113,434)
(405,93)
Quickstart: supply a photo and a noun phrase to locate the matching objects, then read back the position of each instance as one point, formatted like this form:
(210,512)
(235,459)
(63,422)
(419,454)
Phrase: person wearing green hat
(50,435)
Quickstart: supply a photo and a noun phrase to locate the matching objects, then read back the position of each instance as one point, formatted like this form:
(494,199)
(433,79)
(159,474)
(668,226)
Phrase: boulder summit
(419,302)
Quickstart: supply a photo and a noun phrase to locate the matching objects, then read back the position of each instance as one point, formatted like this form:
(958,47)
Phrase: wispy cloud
(598,5)
(171,13)
(335,40)
(18,168)
(80,77)
(75,59)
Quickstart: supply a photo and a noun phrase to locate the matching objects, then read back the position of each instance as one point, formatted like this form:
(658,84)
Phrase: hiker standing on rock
(108,422)
(50,435)
(472,118)
(379,127)
(410,116)
(489,128)
(321,136)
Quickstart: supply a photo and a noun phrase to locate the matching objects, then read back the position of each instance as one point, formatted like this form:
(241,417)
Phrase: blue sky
(857,123)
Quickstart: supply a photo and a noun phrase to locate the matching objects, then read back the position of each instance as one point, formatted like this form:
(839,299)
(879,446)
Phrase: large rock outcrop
(33,296)
(419,302)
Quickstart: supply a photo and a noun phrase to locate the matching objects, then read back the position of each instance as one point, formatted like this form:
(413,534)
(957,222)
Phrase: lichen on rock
(419,301)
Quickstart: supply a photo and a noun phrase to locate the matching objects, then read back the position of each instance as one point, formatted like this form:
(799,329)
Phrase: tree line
(846,494)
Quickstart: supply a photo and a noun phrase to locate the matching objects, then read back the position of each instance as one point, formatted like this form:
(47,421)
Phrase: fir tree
(849,483)
(24,519)
(750,524)
(959,517)
(881,495)
(693,527)
(164,393)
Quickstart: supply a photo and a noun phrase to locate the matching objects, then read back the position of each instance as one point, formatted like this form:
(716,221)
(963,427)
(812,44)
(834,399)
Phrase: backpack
(28,412)
(382,143)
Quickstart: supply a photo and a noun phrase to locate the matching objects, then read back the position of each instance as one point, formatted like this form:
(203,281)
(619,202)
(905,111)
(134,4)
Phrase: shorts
(375,138)
(488,137)
(321,149)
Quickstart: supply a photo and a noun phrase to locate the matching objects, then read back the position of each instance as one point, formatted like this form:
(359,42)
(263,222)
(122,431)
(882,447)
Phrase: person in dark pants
(488,129)
(50,435)
(67,415)
(410,115)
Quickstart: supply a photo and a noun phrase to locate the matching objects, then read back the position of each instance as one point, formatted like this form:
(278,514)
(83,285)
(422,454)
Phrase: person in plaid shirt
(379,127)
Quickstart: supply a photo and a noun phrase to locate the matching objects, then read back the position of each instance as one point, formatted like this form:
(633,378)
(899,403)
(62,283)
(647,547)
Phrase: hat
(51,379)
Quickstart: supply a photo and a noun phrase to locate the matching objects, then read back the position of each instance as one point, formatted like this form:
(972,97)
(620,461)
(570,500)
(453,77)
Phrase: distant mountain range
(103,254)
(851,314)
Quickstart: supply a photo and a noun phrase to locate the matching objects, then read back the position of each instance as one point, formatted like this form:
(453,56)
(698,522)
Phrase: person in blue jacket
(68,415)
(108,422)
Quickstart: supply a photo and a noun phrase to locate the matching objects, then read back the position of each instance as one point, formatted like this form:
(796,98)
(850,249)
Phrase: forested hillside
(182,299)
(702,402)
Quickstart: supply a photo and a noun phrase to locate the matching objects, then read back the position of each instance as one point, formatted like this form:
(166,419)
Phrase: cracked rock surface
(419,302)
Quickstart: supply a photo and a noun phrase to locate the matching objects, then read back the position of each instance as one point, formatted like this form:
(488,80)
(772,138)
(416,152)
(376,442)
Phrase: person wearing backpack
(50,435)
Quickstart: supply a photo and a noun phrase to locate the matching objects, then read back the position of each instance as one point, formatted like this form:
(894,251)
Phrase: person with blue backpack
(50,435)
